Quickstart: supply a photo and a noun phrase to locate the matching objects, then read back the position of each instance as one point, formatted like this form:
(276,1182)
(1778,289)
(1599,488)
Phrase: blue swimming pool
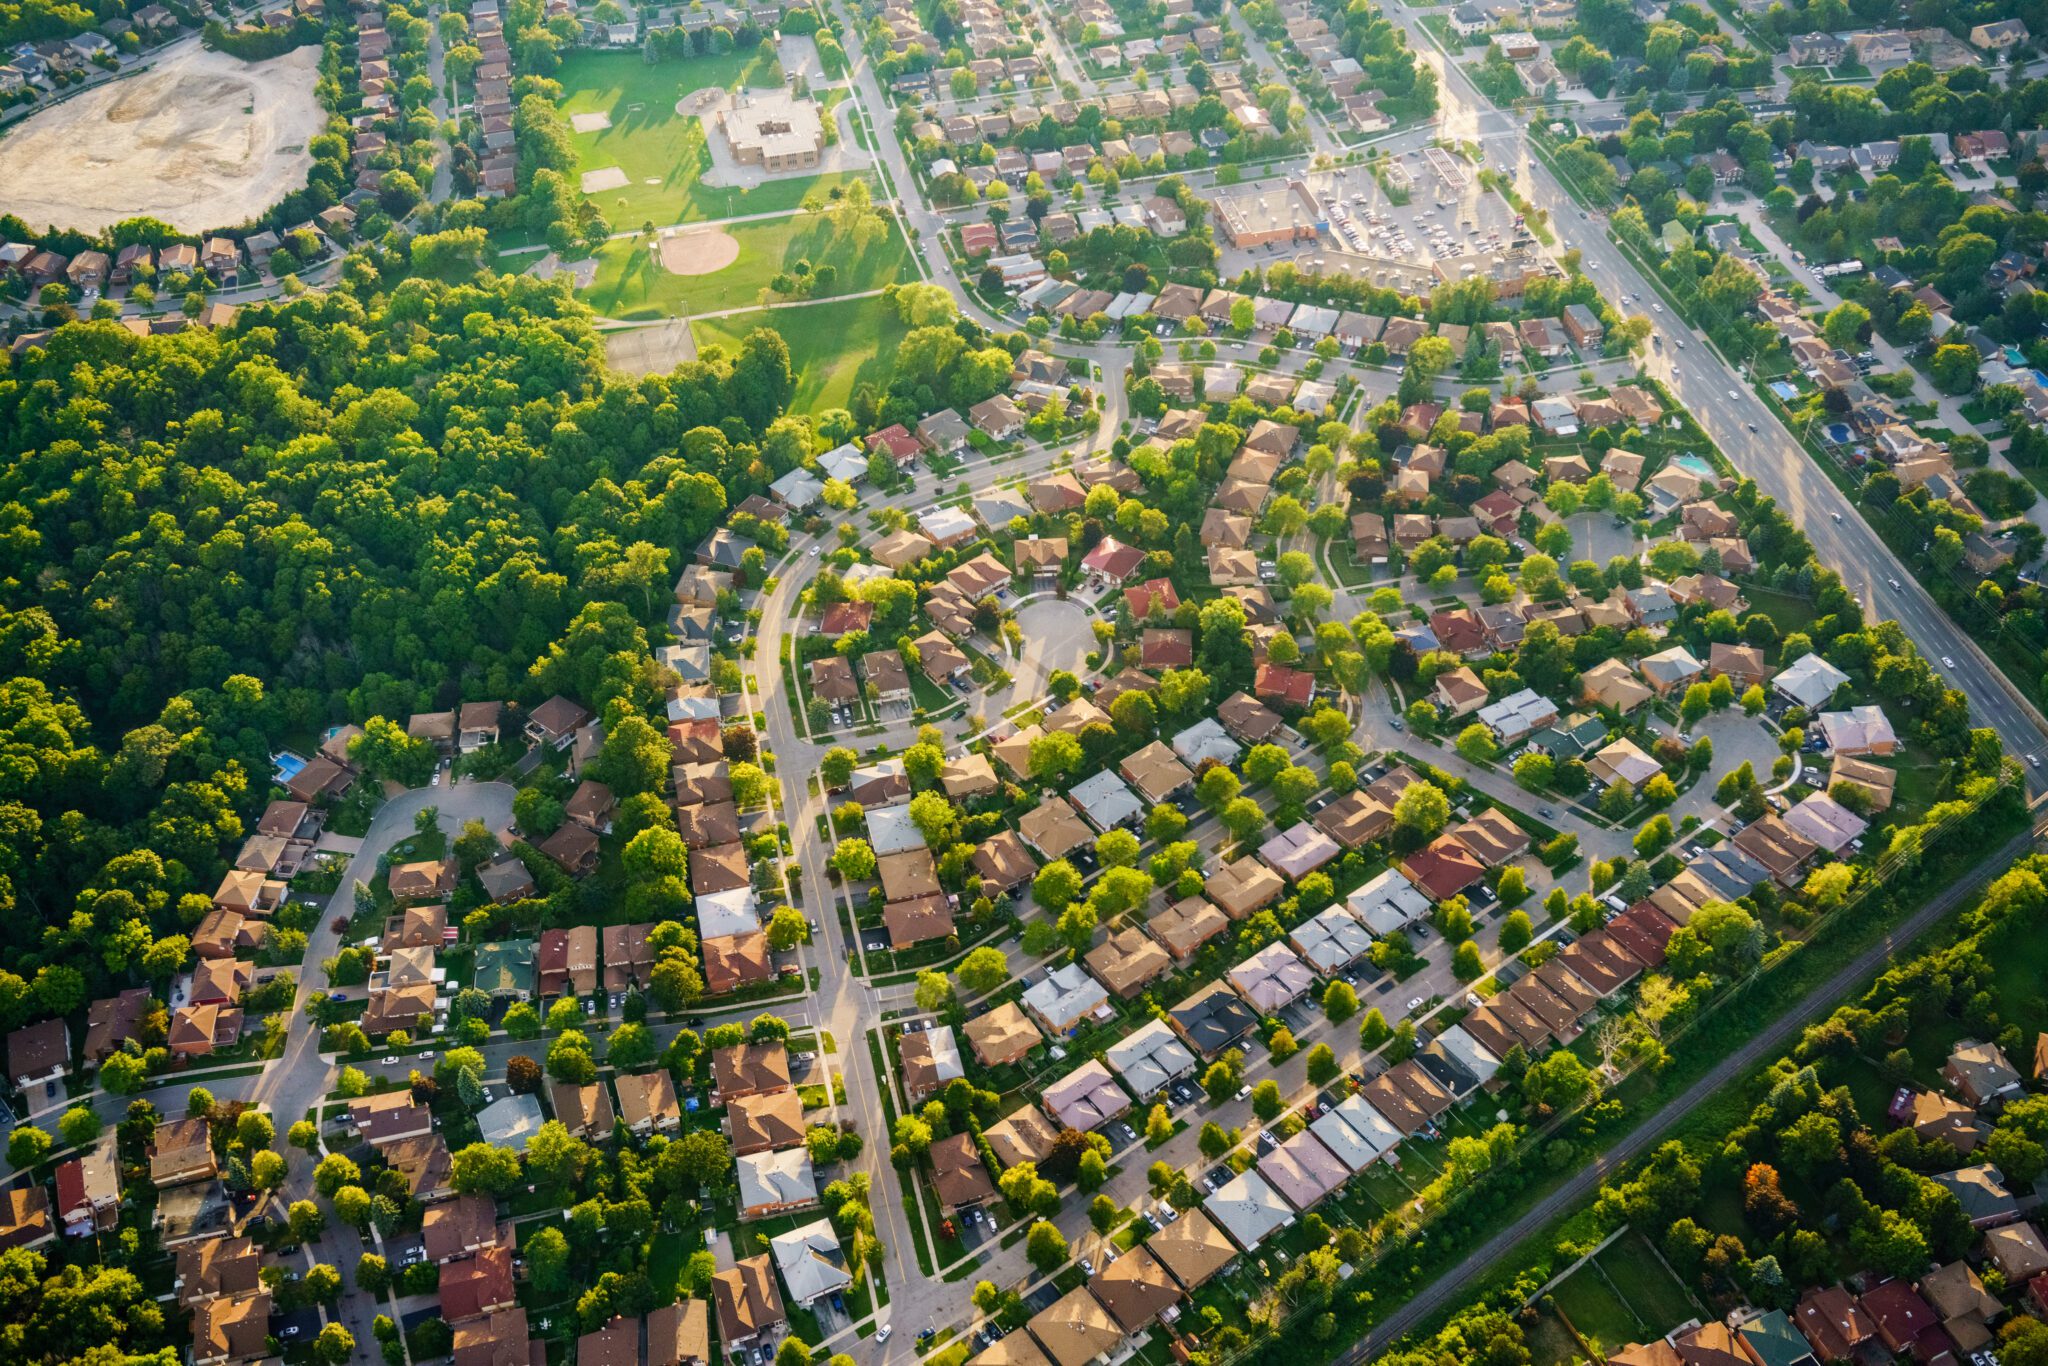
(287,766)
(1693,464)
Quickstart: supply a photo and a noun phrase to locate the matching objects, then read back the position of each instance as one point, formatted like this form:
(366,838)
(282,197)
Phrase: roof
(1248,1209)
(1135,1288)
(1240,888)
(776,1178)
(1149,1057)
(1272,978)
(748,1067)
(1809,680)
(957,1172)
(1127,960)
(1076,1329)
(746,1299)
(1086,1097)
(1024,1135)
(810,1261)
(1003,1034)
(1303,1170)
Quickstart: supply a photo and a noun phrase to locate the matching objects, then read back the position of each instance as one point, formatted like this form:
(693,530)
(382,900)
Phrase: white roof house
(942,525)
(1474,1056)
(510,1122)
(891,831)
(1809,681)
(1106,800)
(1272,978)
(1206,739)
(1859,730)
(730,912)
(1248,1209)
(1065,997)
(799,489)
(810,1261)
(945,1053)
(1296,852)
(1518,714)
(1148,1058)
(847,462)
(1331,940)
(1346,1144)
(776,1178)
(1373,1131)
(1388,903)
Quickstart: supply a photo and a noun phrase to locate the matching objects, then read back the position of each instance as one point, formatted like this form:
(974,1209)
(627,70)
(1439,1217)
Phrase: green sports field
(632,285)
(834,348)
(649,140)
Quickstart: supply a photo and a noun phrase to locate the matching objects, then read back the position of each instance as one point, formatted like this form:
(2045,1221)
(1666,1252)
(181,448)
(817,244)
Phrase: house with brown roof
(1003,1035)
(736,960)
(212,1267)
(574,847)
(1184,927)
(89,1192)
(585,1111)
(748,1304)
(1127,961)
(232,1328)
(958,1176)
(748,1069)
(181,1152)
(476,1286)
(1136,1288)
(462,1227)
(647,1102)
(432,879)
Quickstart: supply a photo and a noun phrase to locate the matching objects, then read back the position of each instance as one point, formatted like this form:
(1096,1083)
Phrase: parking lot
(1440,221)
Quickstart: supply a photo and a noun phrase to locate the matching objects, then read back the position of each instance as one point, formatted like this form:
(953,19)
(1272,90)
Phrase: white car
(1947,663)
(1244,1092)
(816,551)
(1415,1003)
(882,1335)
(1731,395)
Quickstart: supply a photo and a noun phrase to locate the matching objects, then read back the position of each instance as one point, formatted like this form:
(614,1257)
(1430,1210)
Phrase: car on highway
(1750,425)
(1947,663)
(1836,515)
(1893,582)
(2033,761)
(1731,395)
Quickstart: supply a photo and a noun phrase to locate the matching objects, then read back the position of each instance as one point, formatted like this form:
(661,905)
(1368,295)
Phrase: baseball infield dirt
(201,140)
(703,252)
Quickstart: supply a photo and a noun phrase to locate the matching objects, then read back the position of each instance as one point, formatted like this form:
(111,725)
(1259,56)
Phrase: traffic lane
(1841,537)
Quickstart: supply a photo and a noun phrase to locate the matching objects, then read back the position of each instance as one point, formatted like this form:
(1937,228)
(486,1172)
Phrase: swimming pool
(287,765)
(1693,464)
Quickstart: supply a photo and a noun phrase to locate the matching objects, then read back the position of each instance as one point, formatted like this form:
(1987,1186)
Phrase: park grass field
(632,285)
(834,347)
(649,140)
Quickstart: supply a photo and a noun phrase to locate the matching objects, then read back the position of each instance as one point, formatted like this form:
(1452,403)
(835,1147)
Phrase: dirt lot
(202,140)
(704,251)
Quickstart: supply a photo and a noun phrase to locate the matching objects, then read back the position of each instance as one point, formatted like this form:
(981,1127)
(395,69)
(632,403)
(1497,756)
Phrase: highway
(1740,423)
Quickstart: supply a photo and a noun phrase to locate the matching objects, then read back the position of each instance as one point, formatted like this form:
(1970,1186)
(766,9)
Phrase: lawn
(631,284)
(649,140)
(1651,1290)
(834,348)
(1596,1311)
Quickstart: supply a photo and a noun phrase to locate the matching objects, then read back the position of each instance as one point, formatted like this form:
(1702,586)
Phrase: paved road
(1451,1285)
(1740,423)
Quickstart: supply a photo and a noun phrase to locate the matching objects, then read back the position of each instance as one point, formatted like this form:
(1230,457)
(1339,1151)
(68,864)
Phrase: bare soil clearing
(202,140)
(703,252)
